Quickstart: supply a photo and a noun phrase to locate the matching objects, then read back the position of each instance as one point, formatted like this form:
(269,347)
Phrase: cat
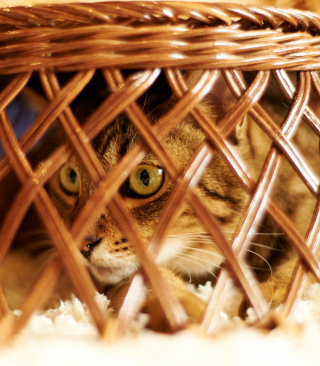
(109,256)
(188,250)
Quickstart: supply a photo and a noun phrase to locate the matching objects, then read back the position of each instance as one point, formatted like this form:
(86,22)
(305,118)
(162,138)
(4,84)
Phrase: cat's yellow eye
(69,180)
(145,180)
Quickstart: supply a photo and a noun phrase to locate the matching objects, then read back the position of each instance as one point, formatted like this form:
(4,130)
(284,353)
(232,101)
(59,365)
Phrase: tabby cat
(188,251)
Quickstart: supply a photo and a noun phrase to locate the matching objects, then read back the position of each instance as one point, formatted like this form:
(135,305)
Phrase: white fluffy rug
(66,336)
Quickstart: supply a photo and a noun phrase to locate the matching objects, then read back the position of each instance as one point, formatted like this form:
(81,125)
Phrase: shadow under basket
(67,72)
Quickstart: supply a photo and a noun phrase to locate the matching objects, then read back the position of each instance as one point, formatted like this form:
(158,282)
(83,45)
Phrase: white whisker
(269,234)
(152,111)
(259,269)
(260,256)
(196,235)
(183,267)
(198,241)
(204,251)
(200,265)
(200,259)
(266,246)
(145,100)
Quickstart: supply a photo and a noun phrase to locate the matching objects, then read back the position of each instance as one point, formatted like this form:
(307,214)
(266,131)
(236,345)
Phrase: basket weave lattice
(150,36)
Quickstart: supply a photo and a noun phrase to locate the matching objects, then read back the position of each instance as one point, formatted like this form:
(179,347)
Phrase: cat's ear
(241,133)
(192,76)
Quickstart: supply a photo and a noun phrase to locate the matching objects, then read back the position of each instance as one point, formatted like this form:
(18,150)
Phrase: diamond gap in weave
(7,96)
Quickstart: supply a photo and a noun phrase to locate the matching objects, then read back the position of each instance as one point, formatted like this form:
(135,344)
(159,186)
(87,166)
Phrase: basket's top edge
(223,10)
(148,34)
(12,3)
(16,3)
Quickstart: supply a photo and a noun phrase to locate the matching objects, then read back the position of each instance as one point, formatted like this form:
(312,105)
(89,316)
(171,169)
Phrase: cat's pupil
(73,176)
(144,176)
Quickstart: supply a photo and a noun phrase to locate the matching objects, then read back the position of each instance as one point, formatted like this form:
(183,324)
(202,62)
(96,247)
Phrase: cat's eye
(146,180)
(69,180)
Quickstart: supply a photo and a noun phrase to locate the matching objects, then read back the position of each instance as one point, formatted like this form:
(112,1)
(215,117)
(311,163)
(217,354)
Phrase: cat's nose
(88,245)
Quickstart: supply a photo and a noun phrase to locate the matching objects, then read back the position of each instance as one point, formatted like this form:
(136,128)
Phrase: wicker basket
(48,40)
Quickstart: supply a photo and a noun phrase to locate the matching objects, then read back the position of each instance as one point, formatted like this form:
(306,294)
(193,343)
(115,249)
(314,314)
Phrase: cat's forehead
(113,143)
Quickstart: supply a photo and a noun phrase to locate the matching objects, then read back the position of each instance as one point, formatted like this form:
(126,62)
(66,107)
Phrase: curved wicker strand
(243,105)
(288,88)
(34,39)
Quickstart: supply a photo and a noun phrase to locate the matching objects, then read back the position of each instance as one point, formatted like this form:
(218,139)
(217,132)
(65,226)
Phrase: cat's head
(187,247)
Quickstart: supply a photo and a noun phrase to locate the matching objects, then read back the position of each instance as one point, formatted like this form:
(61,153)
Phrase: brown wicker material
(151,36)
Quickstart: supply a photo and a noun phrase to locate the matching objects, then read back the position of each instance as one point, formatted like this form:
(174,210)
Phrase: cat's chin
(111,275)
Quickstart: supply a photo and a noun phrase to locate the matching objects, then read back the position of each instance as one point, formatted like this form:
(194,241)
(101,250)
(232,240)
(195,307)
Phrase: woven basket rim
(157,34)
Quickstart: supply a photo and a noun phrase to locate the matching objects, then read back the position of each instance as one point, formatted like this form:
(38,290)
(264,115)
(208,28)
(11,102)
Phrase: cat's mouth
(111,274)
(102,270)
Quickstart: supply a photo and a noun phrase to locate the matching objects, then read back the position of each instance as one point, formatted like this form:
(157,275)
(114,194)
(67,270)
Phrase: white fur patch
(109,269)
